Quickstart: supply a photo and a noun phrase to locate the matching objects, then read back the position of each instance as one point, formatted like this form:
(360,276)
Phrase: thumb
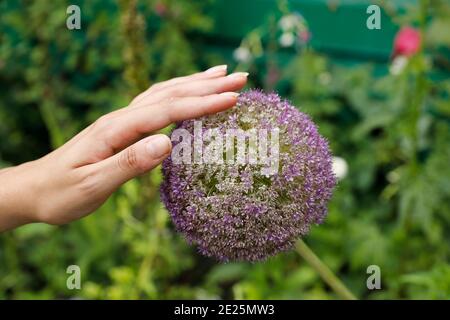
(135,160)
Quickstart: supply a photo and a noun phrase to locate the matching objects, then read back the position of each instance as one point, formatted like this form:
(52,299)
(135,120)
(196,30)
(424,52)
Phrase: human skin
(77,178)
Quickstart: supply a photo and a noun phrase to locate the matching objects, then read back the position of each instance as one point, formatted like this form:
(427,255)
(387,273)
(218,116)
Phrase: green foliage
(391,210)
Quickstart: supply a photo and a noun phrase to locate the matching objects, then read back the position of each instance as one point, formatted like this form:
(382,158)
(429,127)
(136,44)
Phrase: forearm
(16,196)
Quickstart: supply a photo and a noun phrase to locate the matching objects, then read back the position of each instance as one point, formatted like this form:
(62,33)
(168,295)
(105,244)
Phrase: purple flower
(234,211)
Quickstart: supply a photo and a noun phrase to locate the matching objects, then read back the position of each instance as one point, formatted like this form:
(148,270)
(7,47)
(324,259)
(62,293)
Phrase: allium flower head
(237,212)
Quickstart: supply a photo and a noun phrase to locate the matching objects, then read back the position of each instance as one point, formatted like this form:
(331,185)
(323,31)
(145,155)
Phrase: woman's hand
(77,178)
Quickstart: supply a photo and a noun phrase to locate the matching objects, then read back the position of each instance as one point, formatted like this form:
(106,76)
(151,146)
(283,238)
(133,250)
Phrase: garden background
(386,116)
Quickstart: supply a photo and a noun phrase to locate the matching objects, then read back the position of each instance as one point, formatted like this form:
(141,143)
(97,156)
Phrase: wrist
(18,194)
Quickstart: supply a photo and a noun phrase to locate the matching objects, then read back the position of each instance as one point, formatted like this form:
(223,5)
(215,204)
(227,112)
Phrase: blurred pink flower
(407,42)
(160,8)
(305,36)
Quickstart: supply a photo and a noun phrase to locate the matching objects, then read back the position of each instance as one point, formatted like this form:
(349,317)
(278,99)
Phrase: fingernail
(158,146)
(238,75)
(215,69)
(230,94)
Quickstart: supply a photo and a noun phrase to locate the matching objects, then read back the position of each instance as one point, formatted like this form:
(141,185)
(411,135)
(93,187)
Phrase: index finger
(213,72)
(114,134)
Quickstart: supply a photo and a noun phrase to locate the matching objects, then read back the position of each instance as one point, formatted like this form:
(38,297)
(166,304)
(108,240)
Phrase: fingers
(117,130)
(217,71)
(112,134)
(203,87)
(132,161)
(144,120)
(211,73)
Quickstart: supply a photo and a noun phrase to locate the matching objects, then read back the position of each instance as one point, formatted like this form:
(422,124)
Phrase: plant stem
(135,53)
(325,273)
(419,92)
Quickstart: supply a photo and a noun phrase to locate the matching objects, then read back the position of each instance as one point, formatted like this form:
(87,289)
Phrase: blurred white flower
(398,65)
(340,167)
(242,54)
(393,177)
(287,39)
(325,78)
(288,22)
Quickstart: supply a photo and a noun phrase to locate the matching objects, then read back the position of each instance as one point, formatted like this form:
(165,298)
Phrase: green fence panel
(337,26)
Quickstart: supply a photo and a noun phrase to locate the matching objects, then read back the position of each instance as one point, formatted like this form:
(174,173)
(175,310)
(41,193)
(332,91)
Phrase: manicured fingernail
(238,75)
(230,94)
(158,146)
(215,69)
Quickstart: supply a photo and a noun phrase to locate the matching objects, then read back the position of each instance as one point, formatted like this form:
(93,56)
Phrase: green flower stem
(325,273)
(419,92)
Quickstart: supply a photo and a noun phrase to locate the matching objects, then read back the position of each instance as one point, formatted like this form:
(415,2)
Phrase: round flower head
(256,178)
(407,42)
